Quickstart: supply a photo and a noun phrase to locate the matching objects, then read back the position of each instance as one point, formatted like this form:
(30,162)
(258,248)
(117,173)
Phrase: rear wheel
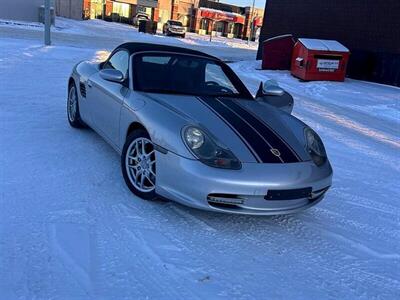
(74,117)
(138,163)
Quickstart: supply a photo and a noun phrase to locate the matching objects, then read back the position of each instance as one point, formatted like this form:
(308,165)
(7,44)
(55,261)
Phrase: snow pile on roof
(324,45)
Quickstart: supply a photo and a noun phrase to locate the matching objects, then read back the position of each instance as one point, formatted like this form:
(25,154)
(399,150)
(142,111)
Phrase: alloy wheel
(140,164)
(72,104)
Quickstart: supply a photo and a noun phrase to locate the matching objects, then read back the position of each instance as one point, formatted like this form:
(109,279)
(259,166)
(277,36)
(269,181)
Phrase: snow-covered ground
(70,229)
(100,28)
(106,35)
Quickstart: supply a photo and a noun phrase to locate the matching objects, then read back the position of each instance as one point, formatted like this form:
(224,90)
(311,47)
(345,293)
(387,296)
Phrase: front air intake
(225,199)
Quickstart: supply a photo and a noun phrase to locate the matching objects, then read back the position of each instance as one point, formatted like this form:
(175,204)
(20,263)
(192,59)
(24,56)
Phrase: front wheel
(74,117)
(138,163)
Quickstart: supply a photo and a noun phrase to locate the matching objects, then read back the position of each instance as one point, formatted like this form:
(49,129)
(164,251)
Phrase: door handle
(89,83)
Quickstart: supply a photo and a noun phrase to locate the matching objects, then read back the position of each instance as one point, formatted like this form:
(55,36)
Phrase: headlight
(194,138)
(315,147)
(208,151)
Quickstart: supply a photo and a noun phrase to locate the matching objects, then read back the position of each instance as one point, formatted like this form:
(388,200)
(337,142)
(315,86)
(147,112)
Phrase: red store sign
(258,21)
(221,16)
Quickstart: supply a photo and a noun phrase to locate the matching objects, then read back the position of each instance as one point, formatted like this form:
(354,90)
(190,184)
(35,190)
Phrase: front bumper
(175,31)
(192,183)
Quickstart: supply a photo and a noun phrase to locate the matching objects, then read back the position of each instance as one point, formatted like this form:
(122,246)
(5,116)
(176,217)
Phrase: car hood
(254,131)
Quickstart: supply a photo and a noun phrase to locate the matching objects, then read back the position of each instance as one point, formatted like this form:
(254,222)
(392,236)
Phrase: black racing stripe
(251,138)
(288,155)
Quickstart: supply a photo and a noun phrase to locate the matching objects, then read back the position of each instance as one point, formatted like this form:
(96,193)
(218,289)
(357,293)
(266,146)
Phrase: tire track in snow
(340,137)
(351,228)
(155,270)
(349,124)
(349,274)
(360,247)
(259,243)
(191,218)
(328,242)
(68,230)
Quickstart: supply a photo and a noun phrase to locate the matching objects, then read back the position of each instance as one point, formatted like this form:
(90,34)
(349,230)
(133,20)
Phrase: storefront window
(144,9)
(122,9)
(230,28)
(96,9)
(204,24)
(237,30)
(219,27)
(185,21)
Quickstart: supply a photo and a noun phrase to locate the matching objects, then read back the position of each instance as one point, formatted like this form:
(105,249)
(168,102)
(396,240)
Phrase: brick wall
(369,28)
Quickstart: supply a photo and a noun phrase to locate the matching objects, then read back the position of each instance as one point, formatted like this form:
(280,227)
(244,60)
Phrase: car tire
(73,114)
(183,36)
(138,164)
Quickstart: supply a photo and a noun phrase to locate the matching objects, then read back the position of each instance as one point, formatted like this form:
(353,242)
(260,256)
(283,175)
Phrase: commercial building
(227,20)
(200,16)
(369,28)
(110,10)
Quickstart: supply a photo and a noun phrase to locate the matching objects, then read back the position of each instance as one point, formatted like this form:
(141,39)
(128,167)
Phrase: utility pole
(103,12)
(210,21)
(212,27)
(251,22)
(47,23)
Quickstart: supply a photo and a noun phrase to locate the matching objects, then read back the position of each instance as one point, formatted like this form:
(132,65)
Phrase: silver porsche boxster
(188,130)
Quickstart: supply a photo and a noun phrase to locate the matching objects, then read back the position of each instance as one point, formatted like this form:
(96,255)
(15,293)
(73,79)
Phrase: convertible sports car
(188,130)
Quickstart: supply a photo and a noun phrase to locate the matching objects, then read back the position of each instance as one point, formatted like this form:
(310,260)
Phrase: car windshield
(176,23)
(185,74)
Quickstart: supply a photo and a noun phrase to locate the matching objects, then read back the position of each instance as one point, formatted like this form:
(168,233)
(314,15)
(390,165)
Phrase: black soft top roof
(134,47)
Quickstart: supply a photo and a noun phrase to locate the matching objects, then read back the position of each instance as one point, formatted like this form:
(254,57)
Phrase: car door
(106,98)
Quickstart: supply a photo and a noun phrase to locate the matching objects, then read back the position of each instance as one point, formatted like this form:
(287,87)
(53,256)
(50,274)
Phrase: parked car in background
(139,17)
(174,28)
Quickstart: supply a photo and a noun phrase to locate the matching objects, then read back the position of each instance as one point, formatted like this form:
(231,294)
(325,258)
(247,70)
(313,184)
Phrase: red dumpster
(319,60)
(277,52)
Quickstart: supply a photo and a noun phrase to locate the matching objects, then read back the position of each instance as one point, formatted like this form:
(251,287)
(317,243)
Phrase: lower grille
(223,205)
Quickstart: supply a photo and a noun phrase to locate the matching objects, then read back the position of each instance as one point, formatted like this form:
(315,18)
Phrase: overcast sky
(259,3)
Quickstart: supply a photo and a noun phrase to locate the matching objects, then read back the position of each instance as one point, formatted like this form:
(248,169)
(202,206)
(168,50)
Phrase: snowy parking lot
(71,229)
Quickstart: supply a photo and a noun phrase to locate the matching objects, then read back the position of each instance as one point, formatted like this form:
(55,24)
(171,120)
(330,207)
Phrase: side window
(215,74)
(119,61)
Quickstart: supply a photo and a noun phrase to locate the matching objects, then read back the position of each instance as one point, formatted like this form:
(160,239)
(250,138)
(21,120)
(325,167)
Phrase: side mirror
(271,93)
(112,75)
(269,88)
